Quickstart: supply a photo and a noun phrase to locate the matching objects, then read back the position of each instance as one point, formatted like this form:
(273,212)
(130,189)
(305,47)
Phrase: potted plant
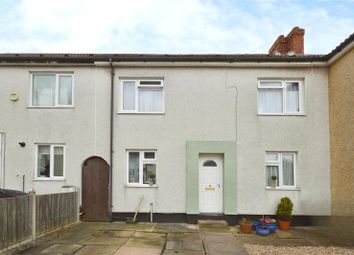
(152,179)
(274,181)
(284,213)
(246,226)
(270,223)
(262,228)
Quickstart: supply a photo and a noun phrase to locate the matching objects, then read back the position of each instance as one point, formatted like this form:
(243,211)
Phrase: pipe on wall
(111,141)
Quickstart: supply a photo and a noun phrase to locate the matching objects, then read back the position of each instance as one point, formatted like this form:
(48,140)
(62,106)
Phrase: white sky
(169,26)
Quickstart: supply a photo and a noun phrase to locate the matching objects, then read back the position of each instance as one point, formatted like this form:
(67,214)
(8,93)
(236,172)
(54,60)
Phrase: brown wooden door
(95,187)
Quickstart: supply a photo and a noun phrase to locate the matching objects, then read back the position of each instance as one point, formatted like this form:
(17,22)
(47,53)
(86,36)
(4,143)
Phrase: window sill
(49,179)
(140,186)
(50,107)
(281,114)
(142,113)
(283,189)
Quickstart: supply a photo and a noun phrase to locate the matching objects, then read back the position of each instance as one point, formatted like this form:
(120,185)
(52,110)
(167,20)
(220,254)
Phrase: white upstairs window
(142,96)
(280,97)
(51,90)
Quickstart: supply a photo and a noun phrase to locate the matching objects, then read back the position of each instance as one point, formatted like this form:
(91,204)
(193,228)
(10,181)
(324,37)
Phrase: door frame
(218,158)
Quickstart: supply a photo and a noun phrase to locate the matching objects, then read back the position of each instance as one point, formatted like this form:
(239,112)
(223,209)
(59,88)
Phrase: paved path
(155,239)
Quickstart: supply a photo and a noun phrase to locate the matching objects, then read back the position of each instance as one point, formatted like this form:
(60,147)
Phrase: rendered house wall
(83,129)
(200,107)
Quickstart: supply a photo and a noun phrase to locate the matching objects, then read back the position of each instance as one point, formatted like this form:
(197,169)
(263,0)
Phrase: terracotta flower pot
(284,225)
(246,228)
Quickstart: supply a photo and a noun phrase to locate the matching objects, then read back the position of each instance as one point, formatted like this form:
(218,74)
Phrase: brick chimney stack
(293,43)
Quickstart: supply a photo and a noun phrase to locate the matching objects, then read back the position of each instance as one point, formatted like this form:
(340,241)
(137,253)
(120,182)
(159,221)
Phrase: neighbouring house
(188,135)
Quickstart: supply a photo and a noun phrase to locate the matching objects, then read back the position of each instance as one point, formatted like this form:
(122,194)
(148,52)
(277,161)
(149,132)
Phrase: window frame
(279,164)
(142,161)
(56,92)
(284,96)
(51,167)
(138,86)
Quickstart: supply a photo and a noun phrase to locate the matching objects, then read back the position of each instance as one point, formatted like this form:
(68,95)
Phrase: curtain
(65,90)
(270,171)
(270,100)
(134,167)
(292,97)
(150,100)
(288,169)
(58,161)
(129,95)
(43,91)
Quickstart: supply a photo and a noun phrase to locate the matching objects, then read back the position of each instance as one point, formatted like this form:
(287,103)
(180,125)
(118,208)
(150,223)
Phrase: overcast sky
(169,26)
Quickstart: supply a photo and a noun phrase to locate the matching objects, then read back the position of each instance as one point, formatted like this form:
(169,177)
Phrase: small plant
(285,209)
(267,220)
(274,178)
(246,226)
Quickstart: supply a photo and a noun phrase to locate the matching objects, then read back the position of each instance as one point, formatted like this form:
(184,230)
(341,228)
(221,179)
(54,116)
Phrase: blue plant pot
(255,224)
(262,230)
(272,228)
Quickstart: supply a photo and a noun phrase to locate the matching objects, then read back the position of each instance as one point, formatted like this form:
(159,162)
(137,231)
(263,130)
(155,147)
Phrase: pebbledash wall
(200,106)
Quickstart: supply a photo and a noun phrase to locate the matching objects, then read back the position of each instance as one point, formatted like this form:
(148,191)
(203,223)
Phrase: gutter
(337,56)
(111,141)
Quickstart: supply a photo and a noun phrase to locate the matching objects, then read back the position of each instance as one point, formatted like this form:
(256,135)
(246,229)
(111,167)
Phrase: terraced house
(187,135)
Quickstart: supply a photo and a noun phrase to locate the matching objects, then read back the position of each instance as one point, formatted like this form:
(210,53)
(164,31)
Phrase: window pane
(288,169)
(149,174)
(128,95)
(150,100)
(272,171)
(58,161)
(43,91)
(292,97)
(271,156)
(149,155)
(270,101)
(65,90)
(133,167)
(270,84)
(43,161)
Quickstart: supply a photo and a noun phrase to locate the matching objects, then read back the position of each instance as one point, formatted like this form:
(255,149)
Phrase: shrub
(285,209)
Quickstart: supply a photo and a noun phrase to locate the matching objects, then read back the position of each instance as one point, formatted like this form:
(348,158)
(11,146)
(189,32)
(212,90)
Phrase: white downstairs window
(50,161)
(142,96)
(280,97)
(51,90)
(141,167)
(282,166)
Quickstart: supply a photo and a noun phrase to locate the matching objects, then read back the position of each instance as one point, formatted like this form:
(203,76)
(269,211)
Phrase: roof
(91,58)
(226,58)
(340,47)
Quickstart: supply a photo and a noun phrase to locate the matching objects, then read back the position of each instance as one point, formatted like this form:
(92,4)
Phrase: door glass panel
(211,163)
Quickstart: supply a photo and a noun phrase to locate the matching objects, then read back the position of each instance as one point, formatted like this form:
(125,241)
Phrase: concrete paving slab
(223,244)
(145,243)
(184,236)
(194,245)
(215,229)
(97,250)
(181,252)
(125,226)
(64,249)
(149,235)
(105,241)
(137,251)
(175,228)
(116,233)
